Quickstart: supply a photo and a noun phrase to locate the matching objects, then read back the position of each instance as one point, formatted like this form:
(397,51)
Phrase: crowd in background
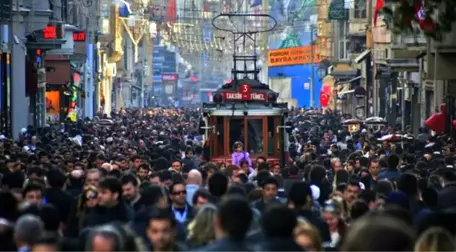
(142,181)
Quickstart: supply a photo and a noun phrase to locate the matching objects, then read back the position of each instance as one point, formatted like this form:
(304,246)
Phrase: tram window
(271,135)
(255,135)
(236,132)
(220,136)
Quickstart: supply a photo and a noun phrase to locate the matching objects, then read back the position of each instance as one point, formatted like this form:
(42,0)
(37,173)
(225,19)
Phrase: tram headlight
(217,98)
(272,97)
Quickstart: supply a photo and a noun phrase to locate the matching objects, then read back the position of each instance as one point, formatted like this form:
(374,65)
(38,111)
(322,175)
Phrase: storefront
(63,90)
(5,89)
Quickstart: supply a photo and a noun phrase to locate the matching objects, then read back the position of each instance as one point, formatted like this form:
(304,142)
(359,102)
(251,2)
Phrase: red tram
(247,111)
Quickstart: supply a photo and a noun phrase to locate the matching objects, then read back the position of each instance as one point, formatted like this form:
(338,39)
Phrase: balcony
(402,41)
(448,43)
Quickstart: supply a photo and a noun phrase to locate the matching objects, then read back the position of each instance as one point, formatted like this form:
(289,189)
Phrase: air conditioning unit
(41,75)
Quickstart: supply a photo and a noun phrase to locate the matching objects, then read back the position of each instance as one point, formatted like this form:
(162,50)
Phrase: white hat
(315,192)
(3,137)
(23,130)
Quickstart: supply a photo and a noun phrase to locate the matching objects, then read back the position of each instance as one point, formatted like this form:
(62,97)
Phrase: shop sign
(50,32)
(238,96)
(79,36)
(169,77)
(293,56)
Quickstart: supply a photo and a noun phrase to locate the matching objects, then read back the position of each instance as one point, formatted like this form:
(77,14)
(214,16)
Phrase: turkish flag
(324,99)
(378,8)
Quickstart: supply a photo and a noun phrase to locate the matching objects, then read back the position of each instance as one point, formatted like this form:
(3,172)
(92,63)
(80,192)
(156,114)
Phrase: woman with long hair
(307,236)
(86,201)
(333,216)
(435,239)
(201,229)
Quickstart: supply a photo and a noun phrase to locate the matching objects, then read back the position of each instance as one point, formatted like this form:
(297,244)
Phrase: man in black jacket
(111,207)
(270,191)
(300,199)
(278,223)
(56,196)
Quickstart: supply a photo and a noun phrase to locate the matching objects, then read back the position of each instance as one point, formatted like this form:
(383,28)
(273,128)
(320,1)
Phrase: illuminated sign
(50,32)
(169,77)
(239,96)
(79,36)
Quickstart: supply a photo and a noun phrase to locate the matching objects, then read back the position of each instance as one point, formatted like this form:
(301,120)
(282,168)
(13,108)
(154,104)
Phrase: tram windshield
(255,135)
(236,132)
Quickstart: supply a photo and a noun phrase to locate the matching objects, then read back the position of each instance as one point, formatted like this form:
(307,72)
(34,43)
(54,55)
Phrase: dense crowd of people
(142,181)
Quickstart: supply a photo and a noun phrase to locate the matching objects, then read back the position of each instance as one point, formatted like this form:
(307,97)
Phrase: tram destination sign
(239,96)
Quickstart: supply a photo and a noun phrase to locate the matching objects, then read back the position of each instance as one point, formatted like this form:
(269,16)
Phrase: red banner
(243,96)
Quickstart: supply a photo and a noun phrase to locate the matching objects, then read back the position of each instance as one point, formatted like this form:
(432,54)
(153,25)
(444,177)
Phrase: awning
(400,65)
(45,45)
(346,92)
(362,56)
(403,65)
(383,71)
(346,76)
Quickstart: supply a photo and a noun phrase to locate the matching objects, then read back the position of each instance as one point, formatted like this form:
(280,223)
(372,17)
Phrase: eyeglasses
(180,192)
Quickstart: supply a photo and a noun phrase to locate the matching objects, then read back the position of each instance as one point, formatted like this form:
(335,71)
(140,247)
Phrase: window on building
(357,44)
(360,9)
(125,57)
(106,10)
(343,39)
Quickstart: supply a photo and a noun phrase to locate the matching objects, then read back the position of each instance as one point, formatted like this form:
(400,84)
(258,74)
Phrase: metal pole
(265,39)
(143,70)
(312,102)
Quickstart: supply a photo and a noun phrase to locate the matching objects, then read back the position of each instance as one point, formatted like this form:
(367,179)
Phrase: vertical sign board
(170,84)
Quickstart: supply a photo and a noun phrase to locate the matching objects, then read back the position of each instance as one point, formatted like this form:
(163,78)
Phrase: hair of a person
(152,194)
(300,195)
(129,178)
(93,170)
(235,216)
(303,227)
(112,184)
(270,181)
(31,187)
(171,188)
(358,209)
(435,239)
(236,190)
(55,178)
(162,214)
(263,166)
(408,184)
(262,176)
(218,184)
(110,232)
(9,206)
(49,239)
(201,228)
(50,217)
(27,229)
(363,235)
(201,193)
(278,221)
